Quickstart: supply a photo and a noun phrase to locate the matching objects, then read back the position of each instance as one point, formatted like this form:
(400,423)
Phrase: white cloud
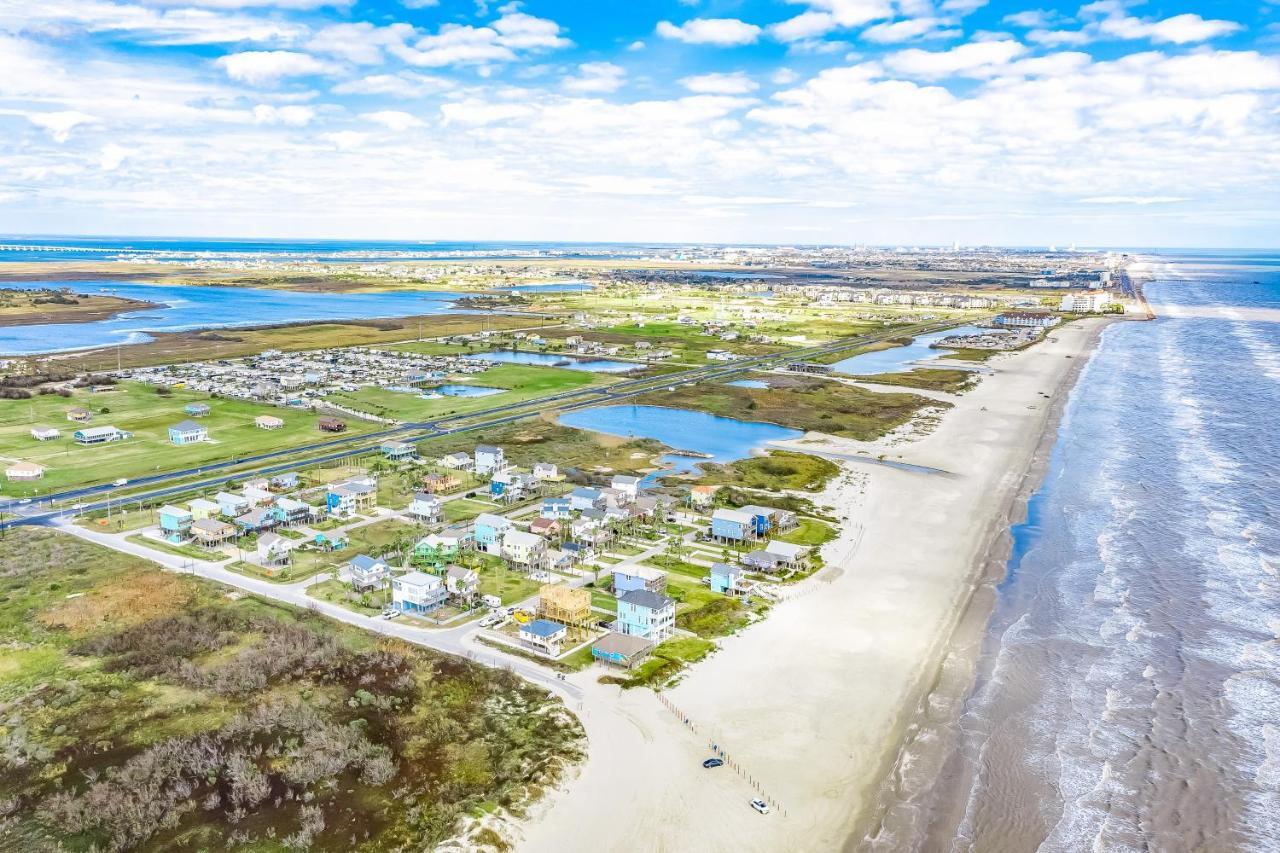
(962,7)
(396,120)
(463,44)
(910,29)
(404,84)
(1180,29)
(735,83)
(783,77)
(346,140)
(974,59)
(854,13)
(723,32)
(1055,38)
(595,77)
(264,67)
(112,156)
(60,124)
(635,46)
(149,26)
(806,25)
(360,43)
(292,115)
(1140,200)
(1033,19)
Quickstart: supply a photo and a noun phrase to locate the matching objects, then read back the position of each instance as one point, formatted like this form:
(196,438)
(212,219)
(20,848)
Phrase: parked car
(713,762)
(389,612)
(760,805)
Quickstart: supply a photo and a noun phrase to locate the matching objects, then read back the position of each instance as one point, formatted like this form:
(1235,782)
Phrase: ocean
(1128,687)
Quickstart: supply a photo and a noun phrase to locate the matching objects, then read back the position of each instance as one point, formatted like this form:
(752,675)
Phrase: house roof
(543,628)
(624,480)
(584,492)
(418,579)
(731,515)
(212,525)
(188,426)
(487,448)
(201,503)
(170,509)
(365,563)
(762,558)
(626,645)
(519,537)
(725,570)
(488,519)
(228,497)
(646,572)
(425,496)
(267,540)
(646,599)
(786,550)
(459,573)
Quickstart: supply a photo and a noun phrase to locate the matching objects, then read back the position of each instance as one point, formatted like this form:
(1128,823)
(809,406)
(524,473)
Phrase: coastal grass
(808,531)
(149,710)
(928,378)
(973,354)
(138,409)
(778,470)
(800,403)
(577,452)
(521,383)
(664,665)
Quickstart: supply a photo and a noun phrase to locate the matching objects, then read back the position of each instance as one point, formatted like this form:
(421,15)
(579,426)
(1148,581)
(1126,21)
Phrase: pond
(749,383)
(183,308)
(461,391)
(723,440)
(551,287)
(900,359)
(548,359)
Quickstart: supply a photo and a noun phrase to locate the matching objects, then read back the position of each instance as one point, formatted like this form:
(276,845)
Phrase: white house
(45,433)
(544,636)
(273,549)
(461,582)
(455,462)
(367,572)
(24,471)
(546,471)
(630,486)
(417,592)
(426,506)
(489,459)
(1091,302)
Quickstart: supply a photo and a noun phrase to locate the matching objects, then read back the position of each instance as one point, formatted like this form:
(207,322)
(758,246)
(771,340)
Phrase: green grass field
(138,409)
(521,382)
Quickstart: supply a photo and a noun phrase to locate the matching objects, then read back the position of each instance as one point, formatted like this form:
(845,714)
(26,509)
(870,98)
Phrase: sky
(898,122)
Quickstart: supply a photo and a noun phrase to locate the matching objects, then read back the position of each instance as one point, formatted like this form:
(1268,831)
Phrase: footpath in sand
(811,703)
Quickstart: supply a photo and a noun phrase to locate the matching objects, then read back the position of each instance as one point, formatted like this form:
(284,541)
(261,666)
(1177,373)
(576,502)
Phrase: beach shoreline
(815,703)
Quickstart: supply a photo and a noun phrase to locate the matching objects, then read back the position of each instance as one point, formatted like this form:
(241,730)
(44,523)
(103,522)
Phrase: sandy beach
(812,705)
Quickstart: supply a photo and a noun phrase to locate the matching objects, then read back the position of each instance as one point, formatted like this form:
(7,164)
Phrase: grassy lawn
(138,409)
(928,378)
(381,536)
(465,509)
(780,469)
(973,354)
(521,382)
(121,519)
(305,564)
(510,586)
(809,531)
(134,697)
(800,403)
(341,594)
(535,440)
(666,662)
(177,550)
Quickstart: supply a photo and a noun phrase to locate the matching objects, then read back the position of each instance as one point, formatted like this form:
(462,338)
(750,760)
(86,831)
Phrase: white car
(760,805)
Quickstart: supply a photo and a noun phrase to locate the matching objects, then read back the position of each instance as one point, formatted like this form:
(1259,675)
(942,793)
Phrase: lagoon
(551,287)
(183,308)
(547,359)
(901,359)
(748,383)
(461,391)
(723,440)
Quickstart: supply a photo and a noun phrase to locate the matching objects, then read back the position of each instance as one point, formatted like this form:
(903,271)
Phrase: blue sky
(805,121)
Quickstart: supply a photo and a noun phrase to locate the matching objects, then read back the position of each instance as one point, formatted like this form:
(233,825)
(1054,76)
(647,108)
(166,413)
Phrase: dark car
(713,762)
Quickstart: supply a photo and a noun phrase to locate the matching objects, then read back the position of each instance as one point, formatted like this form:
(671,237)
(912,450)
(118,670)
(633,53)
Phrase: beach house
(202,508)
(545,527)
(489,530)
(295,511)
(701,497)
(45,433)
(646,614)
(79,415)
(547,471)
(766,519)
(628,578)
(259,519)
(489,459)
(212,532)
(285,481)
(731,525)
(273,549)
(417,592)
(461,582)
(187,432)
(727,579)
(526,551)
(761,561)
(398,451)
(230,504)
(585,498)
(24,471)
(455,462)
(175,522)
(1027,320)
(543,636)
(425,507)
(367,572)
(331,425)
(790,556)
(621,649)
(268,422)
(98,435)
(196,410)
(438,483)
(556,508)
(349,497)
(628,485)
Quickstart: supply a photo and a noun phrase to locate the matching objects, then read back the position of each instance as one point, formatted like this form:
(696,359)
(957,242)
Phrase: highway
(43,511)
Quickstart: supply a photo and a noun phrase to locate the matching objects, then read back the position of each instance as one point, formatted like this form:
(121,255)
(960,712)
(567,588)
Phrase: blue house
(187,432)
(230,504)
(489,530)
(175,522)
(543,636)
(724,578)
(556,508)
(646,614)
(585,498)
(731,525)
(197,410)
(398,451)
(766,518)
(628,578)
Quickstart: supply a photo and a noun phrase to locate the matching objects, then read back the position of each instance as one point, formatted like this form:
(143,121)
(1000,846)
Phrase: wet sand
(815,703)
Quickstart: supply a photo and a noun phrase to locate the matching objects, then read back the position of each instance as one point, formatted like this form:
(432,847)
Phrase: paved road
(37,513)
